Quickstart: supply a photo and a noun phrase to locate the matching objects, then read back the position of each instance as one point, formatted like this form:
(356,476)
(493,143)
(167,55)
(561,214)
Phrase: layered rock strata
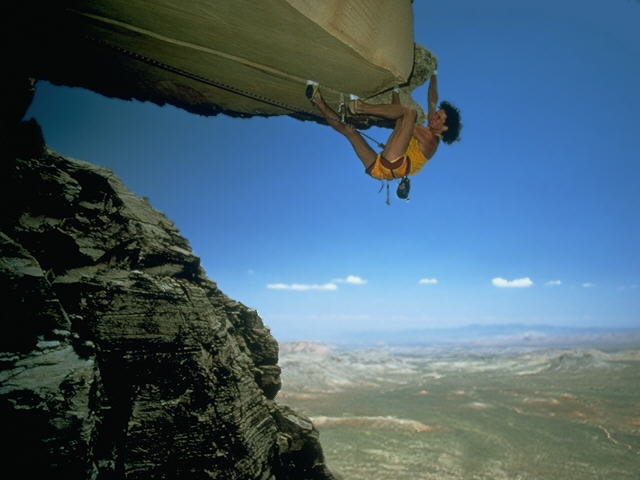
(120,358)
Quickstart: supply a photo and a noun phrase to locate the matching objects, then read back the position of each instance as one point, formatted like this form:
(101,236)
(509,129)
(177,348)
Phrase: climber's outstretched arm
(432,95)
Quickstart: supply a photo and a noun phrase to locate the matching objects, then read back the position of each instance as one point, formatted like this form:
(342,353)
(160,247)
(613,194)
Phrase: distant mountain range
(492,335)
(309,370)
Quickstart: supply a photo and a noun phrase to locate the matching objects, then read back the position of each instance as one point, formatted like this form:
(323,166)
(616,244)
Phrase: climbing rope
(380,145)
(208,81)
(193,76)
(230,88)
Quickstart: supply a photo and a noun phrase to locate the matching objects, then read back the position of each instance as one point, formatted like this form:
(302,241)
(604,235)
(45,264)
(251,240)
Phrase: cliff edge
(119,357)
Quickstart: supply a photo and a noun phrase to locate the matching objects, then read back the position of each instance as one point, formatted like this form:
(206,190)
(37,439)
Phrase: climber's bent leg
(401,136)
(392,111)
(329,114)
(395,99)
(365,153)
(405,118)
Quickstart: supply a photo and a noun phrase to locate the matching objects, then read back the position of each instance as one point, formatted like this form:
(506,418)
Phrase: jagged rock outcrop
(120,359)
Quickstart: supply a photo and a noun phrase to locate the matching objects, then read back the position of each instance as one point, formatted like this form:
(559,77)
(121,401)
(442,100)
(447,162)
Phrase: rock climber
(410,146)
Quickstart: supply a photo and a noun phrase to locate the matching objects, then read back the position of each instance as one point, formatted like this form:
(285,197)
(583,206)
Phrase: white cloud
(301,286)
(352,279)
(553,283)
(428,281)
(588,285)
(339,316)
(332,285)
(517,283)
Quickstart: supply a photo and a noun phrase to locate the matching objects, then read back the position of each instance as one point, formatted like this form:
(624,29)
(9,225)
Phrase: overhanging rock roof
(239,57)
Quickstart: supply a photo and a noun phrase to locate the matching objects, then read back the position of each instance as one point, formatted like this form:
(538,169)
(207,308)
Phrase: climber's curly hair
(453,122)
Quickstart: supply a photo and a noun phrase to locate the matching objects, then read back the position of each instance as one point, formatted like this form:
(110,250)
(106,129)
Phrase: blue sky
(532,218)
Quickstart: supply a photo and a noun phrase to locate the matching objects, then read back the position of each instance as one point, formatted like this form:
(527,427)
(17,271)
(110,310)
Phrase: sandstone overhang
(211,56)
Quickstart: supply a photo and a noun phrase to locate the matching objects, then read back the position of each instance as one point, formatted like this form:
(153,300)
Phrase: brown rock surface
(212,56)
(120,359)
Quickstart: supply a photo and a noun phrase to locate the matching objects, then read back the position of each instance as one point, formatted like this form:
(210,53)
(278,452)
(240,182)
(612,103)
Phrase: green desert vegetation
(465,414)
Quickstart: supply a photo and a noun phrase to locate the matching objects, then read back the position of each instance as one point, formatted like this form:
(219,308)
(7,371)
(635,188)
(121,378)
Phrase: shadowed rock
(120,358)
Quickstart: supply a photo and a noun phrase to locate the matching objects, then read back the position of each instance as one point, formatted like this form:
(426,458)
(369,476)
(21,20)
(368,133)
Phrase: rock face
(213,56)
(120,359)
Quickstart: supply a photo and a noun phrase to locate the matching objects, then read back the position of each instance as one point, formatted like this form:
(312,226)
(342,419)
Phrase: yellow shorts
(408,164)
